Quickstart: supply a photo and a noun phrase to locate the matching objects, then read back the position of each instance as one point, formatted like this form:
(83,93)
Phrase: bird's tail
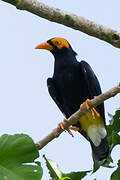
(100,152)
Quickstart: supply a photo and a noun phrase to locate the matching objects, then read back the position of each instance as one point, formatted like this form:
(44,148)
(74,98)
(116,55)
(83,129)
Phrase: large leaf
(17,152)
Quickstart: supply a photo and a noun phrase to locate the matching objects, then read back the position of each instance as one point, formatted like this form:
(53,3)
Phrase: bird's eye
(57,42)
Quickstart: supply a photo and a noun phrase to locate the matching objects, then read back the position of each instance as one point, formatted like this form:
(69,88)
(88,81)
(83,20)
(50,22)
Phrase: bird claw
(93,110)
(60,125)
(74,128)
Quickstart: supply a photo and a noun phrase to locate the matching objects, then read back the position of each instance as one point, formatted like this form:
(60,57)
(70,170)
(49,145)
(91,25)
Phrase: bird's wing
(101,150)
(93,85)
(54,93)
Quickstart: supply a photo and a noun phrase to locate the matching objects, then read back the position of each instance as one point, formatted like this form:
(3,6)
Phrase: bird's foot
(60,125)
(93,110)
(74,128)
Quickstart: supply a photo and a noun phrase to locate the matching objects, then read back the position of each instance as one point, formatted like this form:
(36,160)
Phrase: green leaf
(116,174)
(16,151)
(56,174)
(113,140)
(112,133)
(77,175)
(114,123)
(54,170)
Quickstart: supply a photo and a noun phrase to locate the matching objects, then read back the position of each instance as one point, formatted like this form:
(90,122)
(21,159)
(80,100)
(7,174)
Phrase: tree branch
(68,19)
(75,117)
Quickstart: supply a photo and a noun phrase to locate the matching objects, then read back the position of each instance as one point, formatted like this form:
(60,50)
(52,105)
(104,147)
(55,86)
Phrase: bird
(74,83)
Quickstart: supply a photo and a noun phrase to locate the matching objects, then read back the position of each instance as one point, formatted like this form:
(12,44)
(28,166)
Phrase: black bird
(72,83)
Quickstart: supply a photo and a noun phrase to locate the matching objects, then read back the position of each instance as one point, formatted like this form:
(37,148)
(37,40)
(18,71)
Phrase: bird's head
(56,46)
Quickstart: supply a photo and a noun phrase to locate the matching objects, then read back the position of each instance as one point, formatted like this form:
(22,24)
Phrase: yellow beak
(45,45)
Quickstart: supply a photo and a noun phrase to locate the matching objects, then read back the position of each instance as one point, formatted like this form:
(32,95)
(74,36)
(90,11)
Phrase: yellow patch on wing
(87,120)
(60,43)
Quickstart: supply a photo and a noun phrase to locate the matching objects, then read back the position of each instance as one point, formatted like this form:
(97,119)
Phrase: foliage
(113,138)
(16,151)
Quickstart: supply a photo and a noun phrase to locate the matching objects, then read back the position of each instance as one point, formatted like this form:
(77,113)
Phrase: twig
(68,19)
(74,118)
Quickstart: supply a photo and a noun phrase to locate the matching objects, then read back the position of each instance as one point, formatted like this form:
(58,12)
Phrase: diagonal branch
(74,118)
(68,19)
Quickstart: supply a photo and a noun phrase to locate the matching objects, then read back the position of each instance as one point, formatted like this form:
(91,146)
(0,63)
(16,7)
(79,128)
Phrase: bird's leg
(93,110)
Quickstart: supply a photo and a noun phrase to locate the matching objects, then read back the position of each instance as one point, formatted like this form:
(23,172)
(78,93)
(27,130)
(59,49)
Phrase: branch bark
(68,19)
(74,118)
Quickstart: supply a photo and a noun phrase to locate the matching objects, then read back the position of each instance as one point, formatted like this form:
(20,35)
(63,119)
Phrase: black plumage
(72,83)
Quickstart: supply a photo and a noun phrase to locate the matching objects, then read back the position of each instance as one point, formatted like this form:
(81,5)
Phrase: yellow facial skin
(58,42)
